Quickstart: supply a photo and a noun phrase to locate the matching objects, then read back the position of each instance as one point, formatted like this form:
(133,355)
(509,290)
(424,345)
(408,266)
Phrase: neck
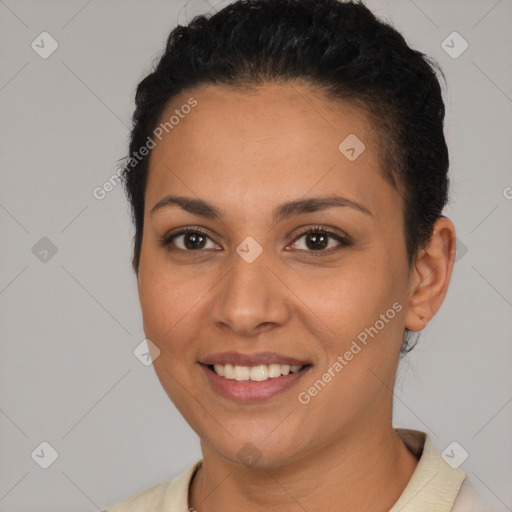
(362,471)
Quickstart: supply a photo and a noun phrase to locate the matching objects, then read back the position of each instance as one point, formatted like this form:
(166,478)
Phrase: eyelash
(166,239)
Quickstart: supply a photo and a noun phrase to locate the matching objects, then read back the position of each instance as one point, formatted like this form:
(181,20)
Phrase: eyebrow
(284,211)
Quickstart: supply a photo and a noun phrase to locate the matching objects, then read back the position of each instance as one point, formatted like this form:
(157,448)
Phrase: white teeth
(274,370)
(242,372)
(229,371)
(258,373)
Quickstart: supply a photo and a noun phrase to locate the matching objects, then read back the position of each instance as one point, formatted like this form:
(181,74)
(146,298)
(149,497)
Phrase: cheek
(174,302)
(350,297)
(167,310)
(361,308)
(165,300)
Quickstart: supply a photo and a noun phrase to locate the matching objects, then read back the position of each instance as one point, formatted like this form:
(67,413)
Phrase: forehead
(275,142)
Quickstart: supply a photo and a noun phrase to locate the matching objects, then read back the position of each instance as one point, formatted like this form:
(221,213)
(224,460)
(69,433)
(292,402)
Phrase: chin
(255,452)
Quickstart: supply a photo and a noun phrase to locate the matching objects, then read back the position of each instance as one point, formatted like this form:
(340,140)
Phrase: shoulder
(148,499)
(437,484)
(165,496)
(469,500)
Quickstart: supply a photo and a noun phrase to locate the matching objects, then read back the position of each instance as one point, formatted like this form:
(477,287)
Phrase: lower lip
(250,390)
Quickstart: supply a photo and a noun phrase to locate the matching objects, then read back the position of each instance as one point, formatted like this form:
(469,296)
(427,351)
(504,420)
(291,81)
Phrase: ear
(431,275)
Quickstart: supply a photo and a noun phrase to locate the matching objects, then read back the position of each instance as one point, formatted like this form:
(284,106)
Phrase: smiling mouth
(258,373)
(256,377)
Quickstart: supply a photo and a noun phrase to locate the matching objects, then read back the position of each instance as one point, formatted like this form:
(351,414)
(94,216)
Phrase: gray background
(69,325)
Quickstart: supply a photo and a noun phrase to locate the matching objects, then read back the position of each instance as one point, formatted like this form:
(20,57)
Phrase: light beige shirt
(434,486)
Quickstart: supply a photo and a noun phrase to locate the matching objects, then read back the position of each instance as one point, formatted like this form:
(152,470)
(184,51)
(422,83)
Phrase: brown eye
(320,240)
(187,240)
(193,241)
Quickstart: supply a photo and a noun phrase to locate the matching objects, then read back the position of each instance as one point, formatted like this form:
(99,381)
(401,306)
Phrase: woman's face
(255,289)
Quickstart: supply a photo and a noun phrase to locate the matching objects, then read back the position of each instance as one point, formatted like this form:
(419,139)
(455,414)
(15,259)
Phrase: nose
(250,299)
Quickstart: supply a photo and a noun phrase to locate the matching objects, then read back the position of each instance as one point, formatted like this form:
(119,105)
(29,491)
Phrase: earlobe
(431,275)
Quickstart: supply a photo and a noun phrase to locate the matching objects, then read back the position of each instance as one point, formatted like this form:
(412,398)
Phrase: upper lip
(257,358)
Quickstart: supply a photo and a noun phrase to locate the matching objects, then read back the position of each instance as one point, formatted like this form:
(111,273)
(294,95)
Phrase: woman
(287,179)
